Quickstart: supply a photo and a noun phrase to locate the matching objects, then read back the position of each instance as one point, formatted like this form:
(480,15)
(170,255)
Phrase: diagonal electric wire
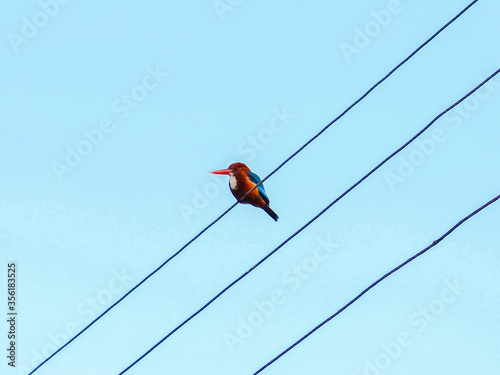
(314,218)
(368,92)
(134,288)
(421,252)
(262,181)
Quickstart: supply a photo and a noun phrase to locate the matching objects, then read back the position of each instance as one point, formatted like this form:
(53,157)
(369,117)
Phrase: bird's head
(233,168)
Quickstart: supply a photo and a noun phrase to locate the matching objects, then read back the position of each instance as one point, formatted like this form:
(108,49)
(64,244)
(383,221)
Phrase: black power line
(369,90)
(134,288)
(314,218)
(375,283)
(262,181)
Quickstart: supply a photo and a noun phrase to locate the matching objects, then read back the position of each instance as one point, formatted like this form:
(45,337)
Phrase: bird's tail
(271,213)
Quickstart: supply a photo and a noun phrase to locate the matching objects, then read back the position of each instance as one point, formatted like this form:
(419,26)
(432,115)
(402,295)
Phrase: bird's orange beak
(222,171)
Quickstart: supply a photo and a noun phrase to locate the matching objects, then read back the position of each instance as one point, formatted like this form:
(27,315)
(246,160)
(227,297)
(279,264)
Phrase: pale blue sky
(168,91)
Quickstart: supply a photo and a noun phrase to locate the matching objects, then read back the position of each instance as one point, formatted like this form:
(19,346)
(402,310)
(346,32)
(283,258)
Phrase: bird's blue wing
(256,179)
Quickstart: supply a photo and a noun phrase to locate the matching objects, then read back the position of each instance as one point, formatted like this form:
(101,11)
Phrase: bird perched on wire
(241,181)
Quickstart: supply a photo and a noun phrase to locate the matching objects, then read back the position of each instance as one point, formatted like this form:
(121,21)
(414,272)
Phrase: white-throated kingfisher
(241,181)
